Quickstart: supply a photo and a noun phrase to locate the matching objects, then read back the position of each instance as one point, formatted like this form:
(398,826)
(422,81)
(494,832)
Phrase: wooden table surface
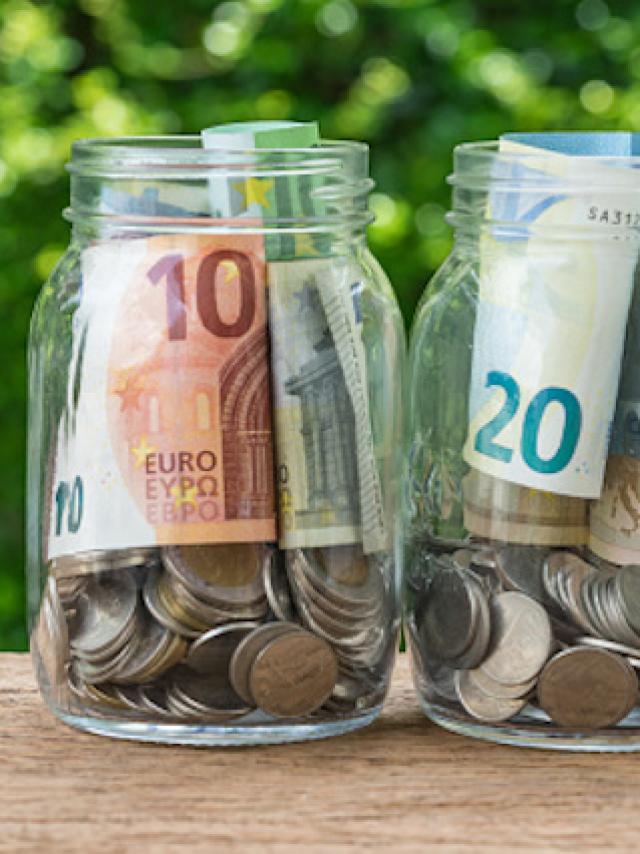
(401,784)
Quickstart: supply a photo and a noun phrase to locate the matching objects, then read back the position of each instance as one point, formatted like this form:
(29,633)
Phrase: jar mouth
(138,156)
(168,183)
(164,183)
(508,188)
(485,165)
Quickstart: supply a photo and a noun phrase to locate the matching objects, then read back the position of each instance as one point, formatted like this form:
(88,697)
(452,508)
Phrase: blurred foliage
(411,77)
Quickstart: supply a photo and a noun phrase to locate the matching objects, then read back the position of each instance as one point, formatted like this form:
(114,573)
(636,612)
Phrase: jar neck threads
(170,184)
(501,190)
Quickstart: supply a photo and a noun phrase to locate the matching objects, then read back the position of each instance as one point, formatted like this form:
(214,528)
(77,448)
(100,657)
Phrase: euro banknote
(166,436)
(327,478)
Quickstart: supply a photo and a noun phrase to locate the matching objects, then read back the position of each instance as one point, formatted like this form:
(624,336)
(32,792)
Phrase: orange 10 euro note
(166,434)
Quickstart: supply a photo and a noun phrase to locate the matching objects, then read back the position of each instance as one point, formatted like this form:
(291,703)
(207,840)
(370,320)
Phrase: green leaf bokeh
(412,78)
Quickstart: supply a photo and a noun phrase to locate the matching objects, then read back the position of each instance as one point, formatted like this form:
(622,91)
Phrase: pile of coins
(498,628)
(217,633)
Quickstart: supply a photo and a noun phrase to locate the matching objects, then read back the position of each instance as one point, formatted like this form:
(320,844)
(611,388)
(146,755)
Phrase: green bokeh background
(412,78)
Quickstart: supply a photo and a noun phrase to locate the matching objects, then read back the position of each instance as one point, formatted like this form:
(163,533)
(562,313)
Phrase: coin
(104,671)
(448,617)
(521,569)
(229,573)
(482,706)
(211,654)
(156,650)
(521,639)
(277,588)
(303,589)
(587,688)
(627,582)
(153,697)
(246,652)
(157,608)
(440,680)
(346,565)
(612,646)
(104,613)
(198,695)
(336,584)
(497,689)
(477,651)
(293,675)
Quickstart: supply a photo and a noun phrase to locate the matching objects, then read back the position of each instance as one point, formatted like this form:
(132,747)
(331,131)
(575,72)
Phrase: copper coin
(587,688)
(293,675)
(246,652)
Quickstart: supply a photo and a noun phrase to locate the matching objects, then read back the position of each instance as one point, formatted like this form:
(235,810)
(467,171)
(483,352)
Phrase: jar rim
(489,149)
(103,156)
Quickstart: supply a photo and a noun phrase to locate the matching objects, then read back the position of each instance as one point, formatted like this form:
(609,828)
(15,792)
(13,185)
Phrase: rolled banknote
(166,437)
(614,518)
(327,476)
(277,195)
(550,327)
(548,339)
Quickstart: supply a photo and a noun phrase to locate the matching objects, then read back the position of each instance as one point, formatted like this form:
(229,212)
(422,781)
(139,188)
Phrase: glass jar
(213,430)
(521,496)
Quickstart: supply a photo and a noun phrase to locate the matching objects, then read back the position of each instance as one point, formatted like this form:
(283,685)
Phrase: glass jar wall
(522,589)
(213,440)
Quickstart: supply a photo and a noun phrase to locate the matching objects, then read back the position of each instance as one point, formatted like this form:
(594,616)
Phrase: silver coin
(447,615)
(151,641)
(159,612)
(153,698)
(303,589)
(627,582)
(593,607)
(352,587)
(211,654)
(574,580)
(220,574)
(205,614)
(277,588)
(521,640)
(521,569)
(622,630)
(497,689)
(129,696)
(477,651)
(105,609)
(205,695)
(94,673)
(482,706)
(440,682)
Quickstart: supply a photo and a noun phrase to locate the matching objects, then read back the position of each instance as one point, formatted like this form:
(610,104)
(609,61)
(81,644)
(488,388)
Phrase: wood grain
(400,785)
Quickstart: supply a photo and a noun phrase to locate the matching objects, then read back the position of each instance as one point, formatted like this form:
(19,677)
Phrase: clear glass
(147,619)
(520,604)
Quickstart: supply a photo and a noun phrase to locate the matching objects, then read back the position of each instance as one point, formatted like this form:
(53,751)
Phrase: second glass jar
(522,458)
